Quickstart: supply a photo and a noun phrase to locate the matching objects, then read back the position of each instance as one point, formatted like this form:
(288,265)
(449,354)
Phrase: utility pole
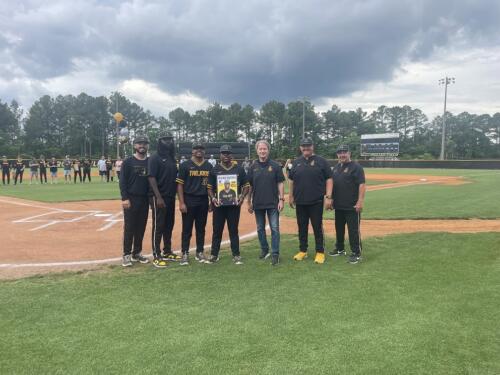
(444,81)
(303,117)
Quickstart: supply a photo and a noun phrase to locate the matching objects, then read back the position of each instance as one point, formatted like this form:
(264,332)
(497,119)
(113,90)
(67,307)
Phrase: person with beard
(134,189)
(43,169)
(162,172)
(192,183)
(349,195)
(310,191)
(229,213)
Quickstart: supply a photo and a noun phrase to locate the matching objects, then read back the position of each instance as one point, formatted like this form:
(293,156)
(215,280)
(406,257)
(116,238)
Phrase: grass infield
(418,304)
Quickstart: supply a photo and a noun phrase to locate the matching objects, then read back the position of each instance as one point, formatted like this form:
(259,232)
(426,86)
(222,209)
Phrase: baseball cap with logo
(306,141)
(343,148)
(226,149)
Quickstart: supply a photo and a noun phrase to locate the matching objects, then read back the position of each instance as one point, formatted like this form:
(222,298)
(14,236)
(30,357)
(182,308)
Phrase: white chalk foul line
(101,261)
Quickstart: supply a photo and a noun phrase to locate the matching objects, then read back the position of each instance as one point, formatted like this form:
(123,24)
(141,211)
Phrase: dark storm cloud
(249,51)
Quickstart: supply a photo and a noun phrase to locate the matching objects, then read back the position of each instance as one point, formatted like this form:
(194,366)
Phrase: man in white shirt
(101,166)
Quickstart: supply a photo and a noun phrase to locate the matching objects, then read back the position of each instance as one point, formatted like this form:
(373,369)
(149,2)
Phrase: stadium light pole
(444,81)
(304,116)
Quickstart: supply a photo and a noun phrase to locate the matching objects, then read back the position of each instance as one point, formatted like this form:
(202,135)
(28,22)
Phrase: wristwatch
(328,196)
(282,199)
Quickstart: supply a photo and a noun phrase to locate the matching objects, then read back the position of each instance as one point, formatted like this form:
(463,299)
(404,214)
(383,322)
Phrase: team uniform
(43,171)
(194,179)
(33,170)
(87,167)
(346,180)
(53,168)
(264,178)
(109,167)
(309,187)
(164,170)
(5,171)
(134,187)
(229,213)
(19,167)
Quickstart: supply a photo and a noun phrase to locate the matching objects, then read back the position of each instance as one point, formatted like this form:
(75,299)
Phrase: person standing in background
(212,161)
(53,170)
(5,170)
(67,165)
(101,166)
(77,170)
(43,169)
(87,168)
(118,167)
(109,169)
(33,170)
(19,166)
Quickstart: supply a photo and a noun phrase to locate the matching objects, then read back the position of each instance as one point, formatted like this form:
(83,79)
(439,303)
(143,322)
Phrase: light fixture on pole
(444,81)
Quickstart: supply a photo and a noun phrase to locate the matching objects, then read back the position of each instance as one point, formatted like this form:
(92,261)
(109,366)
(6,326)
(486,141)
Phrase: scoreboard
(386,144)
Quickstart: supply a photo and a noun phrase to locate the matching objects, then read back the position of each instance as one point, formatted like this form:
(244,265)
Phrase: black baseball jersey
(227,197)
(309,179)
(109,165)
(53,166)
(43,165)
(220,169)
(134,178)
(86,165)
(194,178)
(19,166)
(264,178)
(165,172)
(346,180)
(5,165)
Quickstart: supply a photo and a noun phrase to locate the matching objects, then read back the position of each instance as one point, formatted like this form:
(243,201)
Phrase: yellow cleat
(319,258)
(301,255)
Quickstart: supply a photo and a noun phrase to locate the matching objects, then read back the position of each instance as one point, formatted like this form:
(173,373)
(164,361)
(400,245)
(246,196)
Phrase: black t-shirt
(165,172)
(309,179)
(86,165)
(5,165)
(194,178)
(134,178)
(109,165)
(43,165)
(264,178)
(53,166)
(346,180)
(221,170)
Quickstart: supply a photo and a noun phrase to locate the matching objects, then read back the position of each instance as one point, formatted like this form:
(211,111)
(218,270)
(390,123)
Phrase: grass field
(472,200)
(417,304)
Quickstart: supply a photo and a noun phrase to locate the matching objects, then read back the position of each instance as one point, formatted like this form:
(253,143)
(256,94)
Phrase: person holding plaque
(227,188)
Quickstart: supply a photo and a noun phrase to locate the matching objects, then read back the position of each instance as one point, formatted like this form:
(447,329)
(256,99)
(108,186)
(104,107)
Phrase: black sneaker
(126,262)
(185,260)
(275,259)
(212,259)
(264,255)
(139,258)
(200,257)
(353,259)
(336,253)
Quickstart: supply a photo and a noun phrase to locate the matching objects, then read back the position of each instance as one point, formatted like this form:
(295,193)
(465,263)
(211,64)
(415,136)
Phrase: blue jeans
(273,216)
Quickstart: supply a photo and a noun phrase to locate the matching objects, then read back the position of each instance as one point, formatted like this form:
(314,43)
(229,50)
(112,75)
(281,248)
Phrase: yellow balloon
(118,117)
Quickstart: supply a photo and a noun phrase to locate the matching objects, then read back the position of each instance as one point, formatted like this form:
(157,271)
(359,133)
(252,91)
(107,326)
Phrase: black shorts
(102,173)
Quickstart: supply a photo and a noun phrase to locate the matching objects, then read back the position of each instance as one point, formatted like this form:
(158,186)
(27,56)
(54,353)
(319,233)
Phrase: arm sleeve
(152,167)
(250,175)
(327,171)
(212,183)
(182,174)
(359,177)
(123,181)
(280,177)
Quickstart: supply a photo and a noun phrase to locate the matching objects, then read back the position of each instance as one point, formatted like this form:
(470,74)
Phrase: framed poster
(227,189)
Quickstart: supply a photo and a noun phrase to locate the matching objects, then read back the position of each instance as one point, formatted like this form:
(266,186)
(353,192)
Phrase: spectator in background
(77,170)
(43,169)
(212,161)
(109,169)
(101,166)
(118,167)
(53,170)
(183,159)
(33,170)
(5,170)
(19,166)
(246,164)
(67,165)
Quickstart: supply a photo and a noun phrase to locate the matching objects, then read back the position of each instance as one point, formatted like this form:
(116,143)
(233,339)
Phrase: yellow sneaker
(319,258)
(301,255)
(160,263)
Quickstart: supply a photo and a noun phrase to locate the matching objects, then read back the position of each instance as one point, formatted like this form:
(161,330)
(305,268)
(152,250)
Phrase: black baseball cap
(342,148)
(226,149)
(165,135)
(141,139)
(198,146)
(306,141)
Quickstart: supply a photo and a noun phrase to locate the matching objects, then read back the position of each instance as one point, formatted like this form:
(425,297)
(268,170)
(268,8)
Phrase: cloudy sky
(164,54)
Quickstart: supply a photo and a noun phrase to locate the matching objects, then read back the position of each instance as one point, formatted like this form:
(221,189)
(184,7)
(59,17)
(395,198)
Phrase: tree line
(83,125)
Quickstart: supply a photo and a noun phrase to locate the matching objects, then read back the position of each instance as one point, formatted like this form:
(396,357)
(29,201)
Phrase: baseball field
(424,299)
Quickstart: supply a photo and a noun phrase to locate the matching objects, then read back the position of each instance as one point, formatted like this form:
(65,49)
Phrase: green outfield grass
(417,304)
(61,192)
(477,199)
